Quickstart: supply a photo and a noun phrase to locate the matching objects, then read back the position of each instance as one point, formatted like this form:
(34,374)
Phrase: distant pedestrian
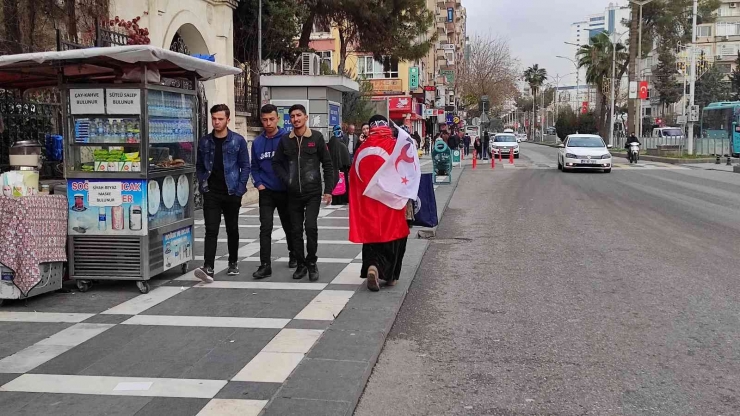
(298,162)
(427,143)
(222,168)
(377,214)
(340,162)
(453,142)
(350,139)
(477,146)
(272,192)
(365,131)
(417,139)
(486,144)
(466,144)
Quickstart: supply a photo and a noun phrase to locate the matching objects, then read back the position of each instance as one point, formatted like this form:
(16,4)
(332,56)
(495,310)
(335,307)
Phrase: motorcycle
(634,152)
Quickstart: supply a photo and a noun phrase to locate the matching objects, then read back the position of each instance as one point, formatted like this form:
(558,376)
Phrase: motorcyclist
(630,140)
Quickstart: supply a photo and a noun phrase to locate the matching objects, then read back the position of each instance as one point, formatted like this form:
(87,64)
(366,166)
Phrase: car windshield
(505,138)
(672,132)
(585,142)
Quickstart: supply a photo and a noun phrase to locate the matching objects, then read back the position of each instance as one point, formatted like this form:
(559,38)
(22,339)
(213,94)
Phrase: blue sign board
(177,247)
(107,207)
(450,14)
(450,117)
(333,115)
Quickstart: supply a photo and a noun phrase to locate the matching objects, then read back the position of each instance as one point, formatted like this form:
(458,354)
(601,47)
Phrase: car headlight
(570,156)
(607,156)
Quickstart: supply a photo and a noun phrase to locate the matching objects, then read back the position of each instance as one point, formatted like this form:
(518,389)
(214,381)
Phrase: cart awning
(32,70)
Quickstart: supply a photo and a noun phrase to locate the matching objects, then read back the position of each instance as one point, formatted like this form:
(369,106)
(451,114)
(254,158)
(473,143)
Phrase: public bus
(721,120)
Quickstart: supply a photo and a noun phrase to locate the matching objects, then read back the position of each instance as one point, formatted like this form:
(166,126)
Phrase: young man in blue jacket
(273,194)
(222,168)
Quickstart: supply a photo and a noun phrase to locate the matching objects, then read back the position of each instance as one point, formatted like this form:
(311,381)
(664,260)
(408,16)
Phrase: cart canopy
(42,69)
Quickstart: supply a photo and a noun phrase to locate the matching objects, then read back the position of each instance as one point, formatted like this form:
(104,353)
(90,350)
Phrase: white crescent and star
(370,151)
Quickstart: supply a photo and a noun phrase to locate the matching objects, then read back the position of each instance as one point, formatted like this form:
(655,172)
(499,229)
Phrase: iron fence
(247,97)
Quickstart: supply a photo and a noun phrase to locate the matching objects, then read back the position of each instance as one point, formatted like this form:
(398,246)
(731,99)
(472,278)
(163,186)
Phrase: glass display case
(130,173)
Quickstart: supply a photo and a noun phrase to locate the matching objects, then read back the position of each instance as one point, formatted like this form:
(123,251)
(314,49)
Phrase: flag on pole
(398,178)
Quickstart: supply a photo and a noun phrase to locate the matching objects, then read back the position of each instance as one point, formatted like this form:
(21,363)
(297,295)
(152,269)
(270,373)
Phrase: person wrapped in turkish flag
(385,175)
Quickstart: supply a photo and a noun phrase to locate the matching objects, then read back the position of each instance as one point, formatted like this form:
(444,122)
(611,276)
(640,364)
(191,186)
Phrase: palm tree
(596,57)
(535,77)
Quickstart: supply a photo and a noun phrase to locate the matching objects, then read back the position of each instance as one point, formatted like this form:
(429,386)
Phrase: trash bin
(442,158)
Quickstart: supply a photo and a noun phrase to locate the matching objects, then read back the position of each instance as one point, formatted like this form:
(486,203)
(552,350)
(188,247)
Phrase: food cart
(130,145)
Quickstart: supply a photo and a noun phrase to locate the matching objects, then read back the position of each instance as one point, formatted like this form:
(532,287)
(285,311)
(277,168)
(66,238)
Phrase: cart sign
(177,247)
(105,207)
(123,101)
(87,101)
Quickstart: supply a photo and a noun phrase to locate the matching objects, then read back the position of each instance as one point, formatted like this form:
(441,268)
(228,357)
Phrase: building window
(704,31)
(372,69)
(597,19)
(326,58)
(321,27)
(728,29)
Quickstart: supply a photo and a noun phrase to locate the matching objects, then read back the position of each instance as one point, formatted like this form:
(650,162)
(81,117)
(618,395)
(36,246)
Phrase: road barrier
(493,162)
(475,159)
(511,156)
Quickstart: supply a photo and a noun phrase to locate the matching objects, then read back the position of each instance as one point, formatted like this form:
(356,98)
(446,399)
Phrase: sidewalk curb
(669,160)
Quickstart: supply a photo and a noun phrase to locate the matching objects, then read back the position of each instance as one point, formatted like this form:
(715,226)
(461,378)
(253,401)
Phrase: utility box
(321,95)
(442,159)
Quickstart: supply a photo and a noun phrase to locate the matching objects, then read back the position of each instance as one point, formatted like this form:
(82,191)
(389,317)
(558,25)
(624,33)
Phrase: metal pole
(614,74)
(543,116)
(259,38)
(693,78)
(638,115)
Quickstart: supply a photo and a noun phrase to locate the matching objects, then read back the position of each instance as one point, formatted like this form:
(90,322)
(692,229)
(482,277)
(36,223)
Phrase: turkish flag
(370,220)
(643,90)
(584,107)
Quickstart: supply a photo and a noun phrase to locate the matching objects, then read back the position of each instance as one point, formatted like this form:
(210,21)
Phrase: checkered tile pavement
(185,348)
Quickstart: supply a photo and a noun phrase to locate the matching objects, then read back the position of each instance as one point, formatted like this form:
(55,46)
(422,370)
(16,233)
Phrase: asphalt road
(549,293)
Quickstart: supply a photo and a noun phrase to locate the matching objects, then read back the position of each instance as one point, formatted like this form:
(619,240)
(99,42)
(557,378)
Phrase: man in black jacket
(298,161)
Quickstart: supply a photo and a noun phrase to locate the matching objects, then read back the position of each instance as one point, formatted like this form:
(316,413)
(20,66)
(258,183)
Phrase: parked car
(505,143)
(584,152)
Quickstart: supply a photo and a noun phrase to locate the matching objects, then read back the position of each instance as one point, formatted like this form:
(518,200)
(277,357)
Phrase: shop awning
(41,69)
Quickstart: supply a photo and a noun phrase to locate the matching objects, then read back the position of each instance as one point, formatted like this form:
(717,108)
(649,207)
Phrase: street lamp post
(578,75)
(638,118)
(693,78)
(614,75)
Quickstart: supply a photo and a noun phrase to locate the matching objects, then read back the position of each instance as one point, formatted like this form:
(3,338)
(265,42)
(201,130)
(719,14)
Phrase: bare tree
(491,70)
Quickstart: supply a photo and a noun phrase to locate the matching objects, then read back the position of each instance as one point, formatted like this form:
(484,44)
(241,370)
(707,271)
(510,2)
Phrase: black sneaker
(300,272)
(292,262)
(205,274)
(313,272)
(263,271)
(233,269)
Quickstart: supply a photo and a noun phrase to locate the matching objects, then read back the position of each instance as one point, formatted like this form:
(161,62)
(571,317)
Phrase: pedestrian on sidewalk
(350,139)
(298,161)
(466,144)
(359,140)
(486,145)
(427,144)
(222,169)
(272,192)
(340,161)
(377,215)
(478,148)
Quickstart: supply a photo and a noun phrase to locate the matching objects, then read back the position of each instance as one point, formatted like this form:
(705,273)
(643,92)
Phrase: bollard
(511,156)
(493,162)
(729,161)
(475,159)
(499,155)
(716,162)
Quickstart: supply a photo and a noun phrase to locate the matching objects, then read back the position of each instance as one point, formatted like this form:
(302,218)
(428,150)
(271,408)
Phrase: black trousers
(304,209)
(215,205)
(269,202)
(387,257)
(467,150)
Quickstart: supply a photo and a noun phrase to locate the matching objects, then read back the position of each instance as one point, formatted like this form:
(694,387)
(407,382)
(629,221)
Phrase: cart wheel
(84,285)
(143,286)
(184,268)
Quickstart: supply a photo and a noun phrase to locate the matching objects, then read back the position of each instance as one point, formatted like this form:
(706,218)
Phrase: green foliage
(280,26)
(665,83)
(711,87)
(568,123)
(356,108)
(735,80)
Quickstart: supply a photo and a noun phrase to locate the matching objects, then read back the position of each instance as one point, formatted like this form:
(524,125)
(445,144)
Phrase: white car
(505,143)
(584,152)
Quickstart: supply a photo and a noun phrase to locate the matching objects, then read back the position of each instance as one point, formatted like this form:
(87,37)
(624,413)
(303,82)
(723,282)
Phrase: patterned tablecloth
(33,230)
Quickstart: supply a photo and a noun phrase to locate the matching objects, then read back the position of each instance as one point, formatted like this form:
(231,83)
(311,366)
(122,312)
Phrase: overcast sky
(536,29)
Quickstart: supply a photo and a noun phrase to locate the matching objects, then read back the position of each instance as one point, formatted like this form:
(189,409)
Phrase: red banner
(643,90)
(400,104)
(584,107)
